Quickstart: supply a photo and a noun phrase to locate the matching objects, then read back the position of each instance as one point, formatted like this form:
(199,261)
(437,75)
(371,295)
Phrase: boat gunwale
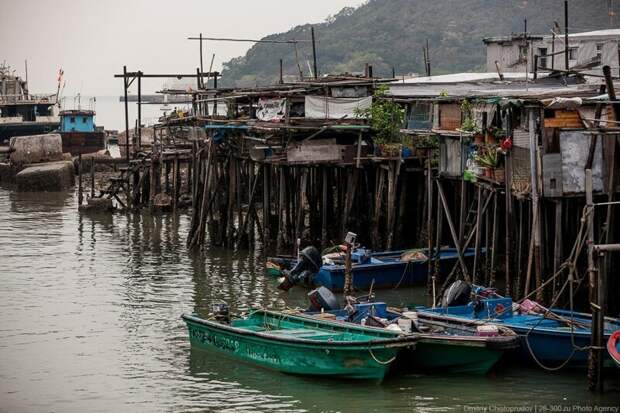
(479,321)
(612,347)
(397,341)
(508,342)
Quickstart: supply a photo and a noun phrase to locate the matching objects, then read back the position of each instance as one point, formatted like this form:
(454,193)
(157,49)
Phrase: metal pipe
(607,247)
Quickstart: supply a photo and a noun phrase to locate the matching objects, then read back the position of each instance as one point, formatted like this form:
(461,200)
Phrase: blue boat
(551,338)
(388,269)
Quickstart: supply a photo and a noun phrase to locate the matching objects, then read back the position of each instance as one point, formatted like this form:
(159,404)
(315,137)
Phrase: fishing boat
(21,112)
(613,347)
(301,345)
(551,338)
(386,269)
(440,346)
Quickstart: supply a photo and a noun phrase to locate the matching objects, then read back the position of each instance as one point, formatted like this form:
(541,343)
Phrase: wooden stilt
(455,239)
(80,188)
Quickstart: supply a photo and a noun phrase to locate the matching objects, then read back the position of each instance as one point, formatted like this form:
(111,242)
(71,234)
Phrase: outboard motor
(322,299)
(459,293)
(221,312)
(309,264)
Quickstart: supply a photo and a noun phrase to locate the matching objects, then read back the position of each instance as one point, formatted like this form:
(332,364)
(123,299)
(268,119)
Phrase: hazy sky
(92,40)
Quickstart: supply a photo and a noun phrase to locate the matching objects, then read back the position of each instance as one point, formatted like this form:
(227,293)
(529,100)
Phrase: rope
(383,363)
(402,276)
(562,365)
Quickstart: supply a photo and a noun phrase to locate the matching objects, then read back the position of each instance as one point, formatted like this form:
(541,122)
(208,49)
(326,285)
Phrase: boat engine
(322,299)
(221,312)
(459,293)
(309,264)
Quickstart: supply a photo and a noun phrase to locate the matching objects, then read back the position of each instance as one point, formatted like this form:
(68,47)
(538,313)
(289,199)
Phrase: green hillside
(391,33)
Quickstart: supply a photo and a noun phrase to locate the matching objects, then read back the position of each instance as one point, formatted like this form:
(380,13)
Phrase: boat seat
(305,333)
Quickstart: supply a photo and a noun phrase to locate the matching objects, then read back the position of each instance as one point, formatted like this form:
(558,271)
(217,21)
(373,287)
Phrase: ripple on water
(90,321)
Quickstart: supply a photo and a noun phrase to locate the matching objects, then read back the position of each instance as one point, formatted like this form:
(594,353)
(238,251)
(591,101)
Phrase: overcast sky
(92,40)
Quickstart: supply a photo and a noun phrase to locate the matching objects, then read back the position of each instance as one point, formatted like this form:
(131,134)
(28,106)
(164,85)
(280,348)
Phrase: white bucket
(394,327)
(405,324)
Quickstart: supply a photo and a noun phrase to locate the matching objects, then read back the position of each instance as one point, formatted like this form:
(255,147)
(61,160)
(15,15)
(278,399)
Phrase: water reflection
(90,310)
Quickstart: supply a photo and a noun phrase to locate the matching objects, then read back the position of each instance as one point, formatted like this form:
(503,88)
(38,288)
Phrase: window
(542,60)
(84,120)
(599,51)
(572,52)
(523,51)
(72,119)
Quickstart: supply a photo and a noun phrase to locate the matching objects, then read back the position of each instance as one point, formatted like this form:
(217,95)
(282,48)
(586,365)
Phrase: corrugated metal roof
(482,84)
(464,77)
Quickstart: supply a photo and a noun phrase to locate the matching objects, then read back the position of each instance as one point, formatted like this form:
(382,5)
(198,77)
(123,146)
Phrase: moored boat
(301,345)
(613,347)
(440,346)
(386,269)
(551,338)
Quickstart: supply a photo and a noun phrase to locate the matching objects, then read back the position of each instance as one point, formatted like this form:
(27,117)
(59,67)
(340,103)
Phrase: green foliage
(468,124)
(487,158)
(386,117)
(390,33)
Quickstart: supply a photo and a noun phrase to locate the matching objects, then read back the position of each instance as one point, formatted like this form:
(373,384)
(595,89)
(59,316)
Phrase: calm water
(89,321)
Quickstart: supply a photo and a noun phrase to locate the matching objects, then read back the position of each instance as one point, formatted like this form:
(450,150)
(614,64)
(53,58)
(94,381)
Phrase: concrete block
(36,149)
(52,176)
(7,173)
(98,204)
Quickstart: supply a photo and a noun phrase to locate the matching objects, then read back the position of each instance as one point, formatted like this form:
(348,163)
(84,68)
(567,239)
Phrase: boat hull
(384,275)
(542,342)
(452,356)
(9,130)
(82,142)
(613,348)
(456,350)
(358,361)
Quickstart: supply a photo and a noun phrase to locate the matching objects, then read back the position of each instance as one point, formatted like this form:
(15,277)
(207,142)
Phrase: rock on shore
(51,176)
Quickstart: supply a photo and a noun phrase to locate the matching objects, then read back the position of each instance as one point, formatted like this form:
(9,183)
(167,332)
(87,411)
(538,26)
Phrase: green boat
(301,345)
(441,346)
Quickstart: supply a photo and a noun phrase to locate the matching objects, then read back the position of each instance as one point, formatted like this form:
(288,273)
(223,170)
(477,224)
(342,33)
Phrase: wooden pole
(80,193)
(566,48)
(266,205)
(175,183)
(281,72)
(478,232)
(139,111)
(316,71)
(493,241)
(348,273)
(92,177)
(429,223)
(509,224)
(594,357)
(324,205)
(125,87)
(455,238)
(201,67)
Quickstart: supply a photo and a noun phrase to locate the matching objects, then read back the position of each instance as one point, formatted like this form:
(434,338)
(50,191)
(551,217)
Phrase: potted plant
(386,119)
(488,159)
(494,134)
